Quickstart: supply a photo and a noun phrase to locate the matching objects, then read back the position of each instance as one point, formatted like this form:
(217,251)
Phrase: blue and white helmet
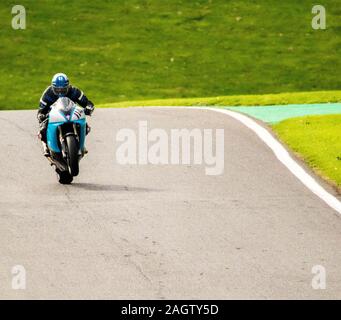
(60,84)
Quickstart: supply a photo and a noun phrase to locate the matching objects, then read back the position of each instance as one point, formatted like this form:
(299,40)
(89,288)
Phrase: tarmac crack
(129,260)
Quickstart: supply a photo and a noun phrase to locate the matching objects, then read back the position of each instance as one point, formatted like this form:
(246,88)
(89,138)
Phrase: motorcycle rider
(60,87)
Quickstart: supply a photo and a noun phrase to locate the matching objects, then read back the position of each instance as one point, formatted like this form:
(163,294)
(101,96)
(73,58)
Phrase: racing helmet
(60,84)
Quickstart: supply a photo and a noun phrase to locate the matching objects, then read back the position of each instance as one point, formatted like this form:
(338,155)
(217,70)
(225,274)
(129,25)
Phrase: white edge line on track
(281,153)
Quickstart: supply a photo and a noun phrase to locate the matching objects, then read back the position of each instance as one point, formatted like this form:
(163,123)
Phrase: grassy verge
(316,139)
(153,49)
(238,100)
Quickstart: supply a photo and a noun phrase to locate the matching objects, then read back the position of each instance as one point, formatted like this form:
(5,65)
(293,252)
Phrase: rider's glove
(41,117)
(89,109)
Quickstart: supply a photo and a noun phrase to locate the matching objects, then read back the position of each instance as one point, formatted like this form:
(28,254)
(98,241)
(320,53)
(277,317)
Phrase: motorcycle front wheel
(64,177)
(72,155)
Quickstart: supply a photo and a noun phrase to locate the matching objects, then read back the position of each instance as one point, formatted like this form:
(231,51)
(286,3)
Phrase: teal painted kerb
(273,114)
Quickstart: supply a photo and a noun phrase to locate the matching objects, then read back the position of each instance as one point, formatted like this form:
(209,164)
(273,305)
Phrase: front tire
(64,177)
(72,155)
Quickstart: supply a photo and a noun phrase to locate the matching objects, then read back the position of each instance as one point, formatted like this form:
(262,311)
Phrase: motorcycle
(66,133)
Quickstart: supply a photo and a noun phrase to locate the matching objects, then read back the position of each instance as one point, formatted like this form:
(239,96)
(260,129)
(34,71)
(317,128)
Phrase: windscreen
(65,105)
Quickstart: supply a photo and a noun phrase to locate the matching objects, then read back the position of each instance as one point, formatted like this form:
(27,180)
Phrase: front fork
(62,139)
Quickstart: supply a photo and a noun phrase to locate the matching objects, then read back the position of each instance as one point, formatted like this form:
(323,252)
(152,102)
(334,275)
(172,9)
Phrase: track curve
(160,231)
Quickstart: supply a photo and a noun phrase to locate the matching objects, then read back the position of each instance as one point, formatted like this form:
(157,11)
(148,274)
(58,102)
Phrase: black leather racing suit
(49,97)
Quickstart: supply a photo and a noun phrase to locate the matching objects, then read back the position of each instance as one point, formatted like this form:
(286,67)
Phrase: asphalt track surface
(161,232)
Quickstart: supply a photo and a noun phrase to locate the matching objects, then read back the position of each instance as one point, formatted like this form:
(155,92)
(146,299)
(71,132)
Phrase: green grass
(239,100)
(147,49)
(316,139)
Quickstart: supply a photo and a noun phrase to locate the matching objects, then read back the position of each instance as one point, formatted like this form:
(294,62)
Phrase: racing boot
(46,150)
